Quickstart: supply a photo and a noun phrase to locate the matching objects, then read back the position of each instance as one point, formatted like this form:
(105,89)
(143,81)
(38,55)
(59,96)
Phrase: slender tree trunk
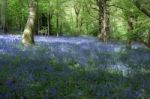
(20,26)
(81,24)
(103,21)
(38,26)
(77,21)
(61,28)
(49,19)
(48,24)
(77,13)
(99,22)
(149,38)
(28,34)
(57,20)
(130,29)
(0,17)
(108,23)
(3,16)
(87,28)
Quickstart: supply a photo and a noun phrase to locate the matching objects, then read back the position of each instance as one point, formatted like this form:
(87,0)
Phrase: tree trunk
(77,13)
(61,27)
(37,24)
(99,22)
(28,34)
(149,38)
(130,29)
(0,17)
(3,16)
(49,19)
(81,24)
(57,25)
(77,22)
(103,20)
(48,24)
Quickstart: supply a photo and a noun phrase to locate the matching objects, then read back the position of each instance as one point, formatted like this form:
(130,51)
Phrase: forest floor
(73,68)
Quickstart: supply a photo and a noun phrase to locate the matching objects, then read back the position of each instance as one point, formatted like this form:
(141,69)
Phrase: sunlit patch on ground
(73,67)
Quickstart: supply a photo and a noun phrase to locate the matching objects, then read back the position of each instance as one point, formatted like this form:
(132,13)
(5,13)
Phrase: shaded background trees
(126,20)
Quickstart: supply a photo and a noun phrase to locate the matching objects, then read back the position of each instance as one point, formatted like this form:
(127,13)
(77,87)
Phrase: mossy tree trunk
(28,34)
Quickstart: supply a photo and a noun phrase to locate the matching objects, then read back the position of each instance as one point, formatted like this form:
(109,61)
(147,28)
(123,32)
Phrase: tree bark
(130,29)
(48,25)
(28,34)
(77,12)
(61,28)
(103,20)
(149,38)
(3,16)
(57,25)
(0,17)
(49,22)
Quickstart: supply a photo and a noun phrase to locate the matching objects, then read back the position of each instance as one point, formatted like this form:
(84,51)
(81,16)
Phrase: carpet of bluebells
(73,68)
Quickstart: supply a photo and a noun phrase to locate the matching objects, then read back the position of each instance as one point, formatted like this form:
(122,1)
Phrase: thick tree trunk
(3,16)
(103,21)
(28,34)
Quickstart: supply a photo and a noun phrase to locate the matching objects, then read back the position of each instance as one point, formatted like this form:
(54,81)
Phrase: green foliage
(17,12)
(65,21)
